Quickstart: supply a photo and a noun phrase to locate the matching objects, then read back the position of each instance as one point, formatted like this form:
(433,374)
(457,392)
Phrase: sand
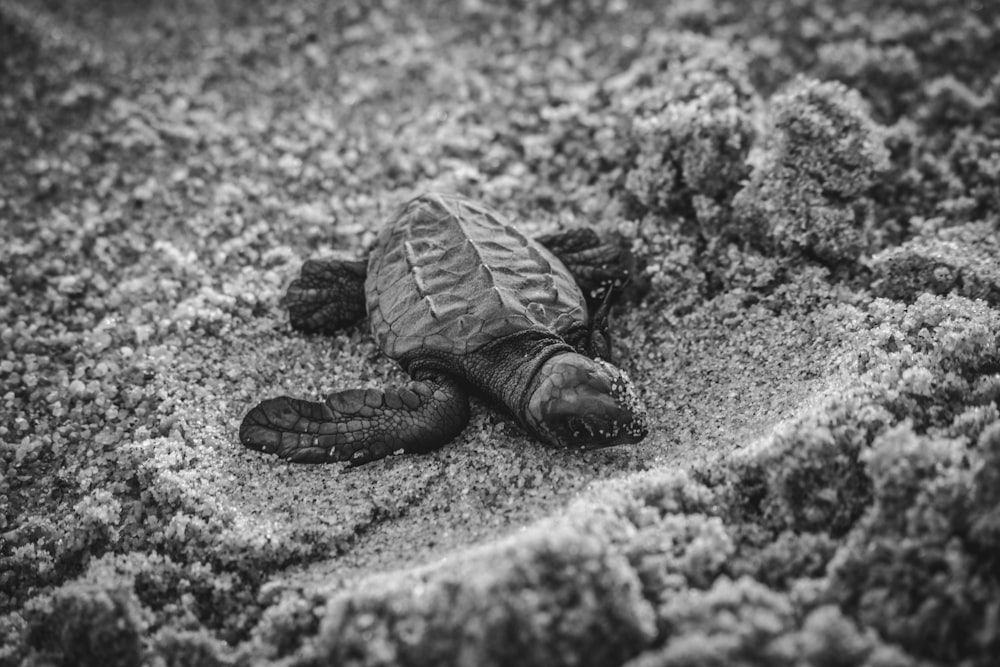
(811,191)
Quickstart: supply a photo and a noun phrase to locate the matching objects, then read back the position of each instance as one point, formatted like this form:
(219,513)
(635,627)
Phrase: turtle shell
(449,275)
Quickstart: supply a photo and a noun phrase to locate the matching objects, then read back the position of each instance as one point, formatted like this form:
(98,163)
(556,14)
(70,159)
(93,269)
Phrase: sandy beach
(812,190)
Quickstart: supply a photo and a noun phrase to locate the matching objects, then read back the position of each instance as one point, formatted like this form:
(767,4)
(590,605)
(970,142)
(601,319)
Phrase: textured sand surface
(813,189)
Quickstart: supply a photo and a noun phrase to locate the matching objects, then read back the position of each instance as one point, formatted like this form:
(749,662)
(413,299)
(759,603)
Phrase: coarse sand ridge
(813,193)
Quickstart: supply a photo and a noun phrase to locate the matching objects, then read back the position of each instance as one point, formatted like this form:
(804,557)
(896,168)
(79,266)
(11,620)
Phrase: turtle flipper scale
(328,295)
(596,263)
(359,425)
(593,339)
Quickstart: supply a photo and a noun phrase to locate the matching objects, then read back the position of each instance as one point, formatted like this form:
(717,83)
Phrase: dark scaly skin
(593,339)
(601,268)
(554,383)
(597,265)
(329,295)
(499,371)
(359,425)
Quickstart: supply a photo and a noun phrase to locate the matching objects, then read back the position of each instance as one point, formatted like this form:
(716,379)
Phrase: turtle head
(581,402)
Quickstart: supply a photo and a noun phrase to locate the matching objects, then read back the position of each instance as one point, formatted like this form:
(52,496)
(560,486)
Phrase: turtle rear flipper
(359,425)
(328,295)
(597,264)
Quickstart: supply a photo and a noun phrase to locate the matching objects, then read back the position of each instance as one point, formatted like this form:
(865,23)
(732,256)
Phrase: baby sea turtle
(467,305)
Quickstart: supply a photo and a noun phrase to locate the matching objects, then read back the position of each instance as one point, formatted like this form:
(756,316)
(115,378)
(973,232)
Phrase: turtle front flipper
(593,339)
(596,263)
(359,425)
(328,295)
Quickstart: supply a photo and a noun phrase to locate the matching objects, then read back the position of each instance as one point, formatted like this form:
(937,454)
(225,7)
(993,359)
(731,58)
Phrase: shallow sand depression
(813,330)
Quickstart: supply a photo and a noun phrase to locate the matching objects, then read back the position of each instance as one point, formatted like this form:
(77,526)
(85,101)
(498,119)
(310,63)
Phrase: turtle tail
(359,425)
